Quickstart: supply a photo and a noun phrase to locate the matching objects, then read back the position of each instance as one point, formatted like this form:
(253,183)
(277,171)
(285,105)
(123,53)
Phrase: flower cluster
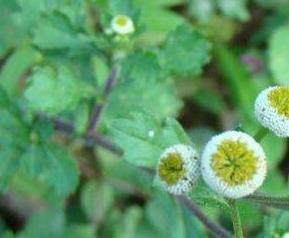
(232,163)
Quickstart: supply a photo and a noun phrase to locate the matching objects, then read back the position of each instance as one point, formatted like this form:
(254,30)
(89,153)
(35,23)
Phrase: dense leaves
(70,86)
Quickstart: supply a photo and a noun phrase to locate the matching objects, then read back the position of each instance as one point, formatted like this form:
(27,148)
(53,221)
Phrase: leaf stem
(213,227)
(261,133)
(277,202)
(99,106)
(236,218)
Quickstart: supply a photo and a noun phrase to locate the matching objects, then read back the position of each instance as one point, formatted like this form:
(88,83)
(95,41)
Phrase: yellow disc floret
(279,99)
(121,20)
(172,169)
(234,162)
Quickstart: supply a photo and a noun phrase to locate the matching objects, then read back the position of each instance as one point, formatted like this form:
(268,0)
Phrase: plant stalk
(236,218)
(213,227)
(276,202)
(261,133)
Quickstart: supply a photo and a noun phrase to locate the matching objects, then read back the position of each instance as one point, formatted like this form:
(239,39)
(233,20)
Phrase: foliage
(85,113)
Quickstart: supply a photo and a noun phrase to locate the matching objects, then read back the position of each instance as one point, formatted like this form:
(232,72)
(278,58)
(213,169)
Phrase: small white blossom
(286,235)
(272,109)
(233,164)
(122,24)
(178,169)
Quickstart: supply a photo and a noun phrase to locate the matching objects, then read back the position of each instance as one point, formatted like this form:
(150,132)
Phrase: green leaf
(79,230)
(142,137)
(279,55)
(55,33)
(237,9)
(46,224)
(141,65)
(62,171)
(204,196)
(141,95)
(216,105)
(185,52)
(236,77)
(17,64)
(55,91)
(96,199)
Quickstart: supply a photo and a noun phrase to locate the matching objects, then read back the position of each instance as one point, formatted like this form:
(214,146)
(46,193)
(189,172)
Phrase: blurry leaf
(55,33)
(101,70)
(9,36)
(242,89)
(216,105)
(4,99)
(185,52)
(128,223)
(165,3)
(168,218)
(141,66)
(157,22)
(142,137)
(48,224)
(269,227)
(80,231)
(96,199)
(235,9)
(141,95)
(279,55)
(201,135)
(206,197)
(124,173)
(202,10)
(53,92)
(275,184)
(17,64)
(62,171)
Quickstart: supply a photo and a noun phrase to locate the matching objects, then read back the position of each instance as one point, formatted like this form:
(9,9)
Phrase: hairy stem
(261,133)
(236,218)
(213,227)
(277,202)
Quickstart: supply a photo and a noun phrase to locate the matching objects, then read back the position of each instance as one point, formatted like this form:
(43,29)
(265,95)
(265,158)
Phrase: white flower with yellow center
(233,164)
(178,169)
(272,109)
(122,24)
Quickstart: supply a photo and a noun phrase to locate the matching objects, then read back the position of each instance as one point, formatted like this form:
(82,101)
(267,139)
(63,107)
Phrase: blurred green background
(201,62)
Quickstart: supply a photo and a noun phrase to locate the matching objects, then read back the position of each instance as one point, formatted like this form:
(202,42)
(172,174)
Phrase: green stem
(236,218)
(261,133)
(277,202)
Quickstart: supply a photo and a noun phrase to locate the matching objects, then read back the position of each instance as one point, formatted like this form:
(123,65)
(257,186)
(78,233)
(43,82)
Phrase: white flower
(233,164)
(286,235)
(122,24)
(272,109)
(178,169)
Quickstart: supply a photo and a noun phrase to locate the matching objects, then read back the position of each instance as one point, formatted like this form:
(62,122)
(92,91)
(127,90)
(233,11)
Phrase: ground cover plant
(144,119)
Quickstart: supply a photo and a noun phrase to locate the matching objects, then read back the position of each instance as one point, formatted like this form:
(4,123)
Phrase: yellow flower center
(279,99)
(171,168)
(234,162)
(121,20)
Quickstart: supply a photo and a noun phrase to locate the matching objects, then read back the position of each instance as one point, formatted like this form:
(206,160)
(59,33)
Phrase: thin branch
(277,202)
(99,106)
(213,227)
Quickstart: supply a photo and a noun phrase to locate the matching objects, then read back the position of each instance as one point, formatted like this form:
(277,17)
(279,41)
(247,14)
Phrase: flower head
(122,24)
(178,169)
(272,109)
(233,164)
